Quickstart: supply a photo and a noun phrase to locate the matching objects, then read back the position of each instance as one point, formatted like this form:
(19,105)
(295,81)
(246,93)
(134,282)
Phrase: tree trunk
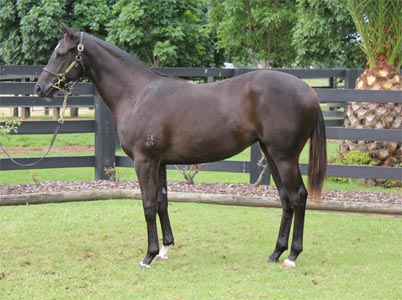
(376,115)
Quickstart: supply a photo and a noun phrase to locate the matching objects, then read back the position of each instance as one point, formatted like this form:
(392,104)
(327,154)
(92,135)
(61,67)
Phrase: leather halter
(61,83)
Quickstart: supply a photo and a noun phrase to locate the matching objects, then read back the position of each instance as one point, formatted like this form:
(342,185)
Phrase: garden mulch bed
(245,190)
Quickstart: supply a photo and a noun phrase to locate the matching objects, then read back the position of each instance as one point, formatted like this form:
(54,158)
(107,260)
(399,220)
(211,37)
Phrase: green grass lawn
(90,250)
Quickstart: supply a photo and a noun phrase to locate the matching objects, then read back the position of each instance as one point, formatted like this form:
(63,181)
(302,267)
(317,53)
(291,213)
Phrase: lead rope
(60,122)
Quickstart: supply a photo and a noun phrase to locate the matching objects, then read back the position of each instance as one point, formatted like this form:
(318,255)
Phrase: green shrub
(7,127)
(355,158)
(360,158)
(352,158)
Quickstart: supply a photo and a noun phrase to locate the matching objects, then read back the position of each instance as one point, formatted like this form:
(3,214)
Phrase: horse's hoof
(141,265)
(271,260)
(288,264)
(161,257)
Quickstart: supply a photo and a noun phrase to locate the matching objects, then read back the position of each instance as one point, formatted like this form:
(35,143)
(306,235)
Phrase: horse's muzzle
(38,90)
(43,91)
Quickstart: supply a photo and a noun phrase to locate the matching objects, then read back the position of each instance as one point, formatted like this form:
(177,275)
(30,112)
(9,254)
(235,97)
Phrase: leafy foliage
(360,158)
(352,158)
(355,158)
(379,24)
(10,37)
(272,33)
(29,28)
(7,127)
(253,32)
(92,16)
(165,32)
(324,35)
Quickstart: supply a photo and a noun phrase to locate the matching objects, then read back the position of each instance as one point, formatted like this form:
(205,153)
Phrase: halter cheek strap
(80,49)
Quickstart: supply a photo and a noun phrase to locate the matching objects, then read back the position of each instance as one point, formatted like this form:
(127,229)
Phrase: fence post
(332,82)
(25,111)
(350,78)
(104,140)
(255,170)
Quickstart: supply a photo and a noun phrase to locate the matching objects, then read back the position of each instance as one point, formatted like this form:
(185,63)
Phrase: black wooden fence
(15,93)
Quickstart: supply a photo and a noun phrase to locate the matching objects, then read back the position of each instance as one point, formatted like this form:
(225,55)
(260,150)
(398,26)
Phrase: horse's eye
(60,54)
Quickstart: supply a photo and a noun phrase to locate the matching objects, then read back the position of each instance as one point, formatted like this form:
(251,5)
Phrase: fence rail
(21,94)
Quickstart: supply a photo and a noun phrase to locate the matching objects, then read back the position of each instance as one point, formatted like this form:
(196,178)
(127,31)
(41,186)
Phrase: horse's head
(64,66)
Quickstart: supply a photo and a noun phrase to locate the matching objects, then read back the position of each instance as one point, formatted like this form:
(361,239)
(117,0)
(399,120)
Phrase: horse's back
(273,107)
(266,89)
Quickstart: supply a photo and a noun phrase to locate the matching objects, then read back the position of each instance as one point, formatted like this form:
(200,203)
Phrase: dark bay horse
(162,120)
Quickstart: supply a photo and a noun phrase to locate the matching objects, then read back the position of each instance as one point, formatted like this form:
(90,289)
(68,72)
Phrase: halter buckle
(80,47)
(61,77)
(69,90)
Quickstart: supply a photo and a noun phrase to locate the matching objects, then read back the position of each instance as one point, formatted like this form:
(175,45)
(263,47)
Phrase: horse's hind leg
(287,211)
(163,214)
(289,173)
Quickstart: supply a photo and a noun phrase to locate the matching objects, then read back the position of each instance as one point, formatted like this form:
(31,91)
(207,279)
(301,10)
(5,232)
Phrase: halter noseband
(61,83)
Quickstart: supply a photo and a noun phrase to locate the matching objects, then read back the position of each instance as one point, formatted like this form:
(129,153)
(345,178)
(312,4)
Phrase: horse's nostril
(38,90)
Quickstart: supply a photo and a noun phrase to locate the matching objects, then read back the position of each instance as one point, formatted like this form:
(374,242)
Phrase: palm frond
(379,24)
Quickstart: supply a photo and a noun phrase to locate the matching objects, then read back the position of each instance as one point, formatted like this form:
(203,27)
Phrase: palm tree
(379,25)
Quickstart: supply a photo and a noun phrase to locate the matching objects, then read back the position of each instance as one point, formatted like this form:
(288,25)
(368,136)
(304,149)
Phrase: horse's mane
(119,53)
(123,55)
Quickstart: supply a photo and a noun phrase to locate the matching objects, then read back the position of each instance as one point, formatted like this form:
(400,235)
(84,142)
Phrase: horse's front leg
(147,173)
(163,214)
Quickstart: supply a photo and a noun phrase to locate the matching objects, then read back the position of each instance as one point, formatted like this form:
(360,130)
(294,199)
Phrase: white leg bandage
(163,253)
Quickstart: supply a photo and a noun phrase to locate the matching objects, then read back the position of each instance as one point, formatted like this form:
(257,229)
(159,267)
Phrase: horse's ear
(66,30)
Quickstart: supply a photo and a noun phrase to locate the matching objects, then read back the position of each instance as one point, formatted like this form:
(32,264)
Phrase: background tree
(324,35)
(274,33)
(252,32)
(29,28)
(161,33)
(92,16)
(379,24)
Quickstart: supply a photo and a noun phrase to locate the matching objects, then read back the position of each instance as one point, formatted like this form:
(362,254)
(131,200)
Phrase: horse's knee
(287,210)
(150,214)
(283,196)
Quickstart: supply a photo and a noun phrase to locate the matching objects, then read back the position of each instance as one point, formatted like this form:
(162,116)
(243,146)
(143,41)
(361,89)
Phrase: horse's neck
(114,73)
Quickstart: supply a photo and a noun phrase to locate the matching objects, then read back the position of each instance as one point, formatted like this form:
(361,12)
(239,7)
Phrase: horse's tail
(317,166)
